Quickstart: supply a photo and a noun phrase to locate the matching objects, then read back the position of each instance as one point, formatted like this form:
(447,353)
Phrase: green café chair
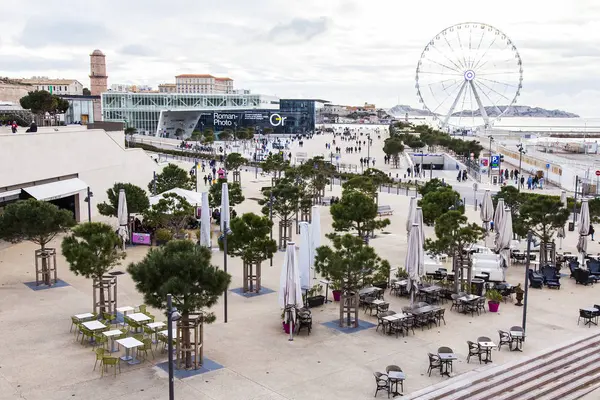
(99,357)
(147,346)
(111,361)
(100,340)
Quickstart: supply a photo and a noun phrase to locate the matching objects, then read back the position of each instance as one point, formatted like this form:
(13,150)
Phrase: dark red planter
(337,295)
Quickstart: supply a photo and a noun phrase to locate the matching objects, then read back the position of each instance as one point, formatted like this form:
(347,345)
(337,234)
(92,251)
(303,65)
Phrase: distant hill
(522,111)
(400,110)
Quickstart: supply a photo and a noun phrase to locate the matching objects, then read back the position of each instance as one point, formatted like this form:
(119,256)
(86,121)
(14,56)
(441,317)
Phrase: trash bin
(477,285)
(571,226)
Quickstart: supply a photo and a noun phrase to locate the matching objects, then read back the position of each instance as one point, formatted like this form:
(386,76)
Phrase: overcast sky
(345,51)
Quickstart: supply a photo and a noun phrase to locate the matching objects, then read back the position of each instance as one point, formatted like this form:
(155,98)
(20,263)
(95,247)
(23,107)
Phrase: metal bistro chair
(382,322)
(408,323)
(474,351)
(504,339)
(439,316)
(434,363)
(456,303)
(381,380)
(446,350)
(517,340)
(588,317)
(395,368)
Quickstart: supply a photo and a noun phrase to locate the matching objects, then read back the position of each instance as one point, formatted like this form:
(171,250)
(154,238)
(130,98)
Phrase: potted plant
(286,325)
(315,298)
(162,236)
(336,287)
(401,274)
(519,293)
(494,298)
(382,277)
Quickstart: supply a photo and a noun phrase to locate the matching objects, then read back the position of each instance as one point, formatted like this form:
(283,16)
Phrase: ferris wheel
(469,75)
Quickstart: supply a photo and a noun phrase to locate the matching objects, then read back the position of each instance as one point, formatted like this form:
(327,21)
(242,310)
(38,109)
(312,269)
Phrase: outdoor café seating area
(130,339)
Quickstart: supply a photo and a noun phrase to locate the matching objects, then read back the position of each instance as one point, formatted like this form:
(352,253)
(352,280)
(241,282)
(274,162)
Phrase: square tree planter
(315,301)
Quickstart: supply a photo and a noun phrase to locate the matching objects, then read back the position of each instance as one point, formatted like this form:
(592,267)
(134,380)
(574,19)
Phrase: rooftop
(46,81)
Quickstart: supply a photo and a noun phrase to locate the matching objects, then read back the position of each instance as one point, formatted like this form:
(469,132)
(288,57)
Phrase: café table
(111,335)
(393,319)
(84,317)
(124,310)
(445,360)
(140,318)
(395,377)
(155,326)
(487,347)
(519,336)
(94,325)
(130,343)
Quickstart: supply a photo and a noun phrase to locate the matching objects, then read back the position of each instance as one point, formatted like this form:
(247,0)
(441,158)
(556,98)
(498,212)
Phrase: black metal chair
(446,350)
(368,304)
(517,340)
(408,323)
(434,362)
(594,267)
(474,351)
(382,322)
(383,307)
(439,316)
(573,267)
(588,317)
(504,339)
(456,303)
(392,382)
(381,380)
(304,320)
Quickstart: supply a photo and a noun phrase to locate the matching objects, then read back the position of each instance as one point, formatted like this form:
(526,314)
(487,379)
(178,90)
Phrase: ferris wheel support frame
(462,88)
(484,115)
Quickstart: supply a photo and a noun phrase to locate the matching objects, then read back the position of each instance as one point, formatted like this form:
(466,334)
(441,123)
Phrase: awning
(10,194)
(57,190)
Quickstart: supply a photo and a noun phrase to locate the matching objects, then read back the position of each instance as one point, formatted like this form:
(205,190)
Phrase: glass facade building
(163,113)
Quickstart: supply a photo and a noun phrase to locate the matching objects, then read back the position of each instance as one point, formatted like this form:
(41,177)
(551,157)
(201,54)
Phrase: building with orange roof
(201,83)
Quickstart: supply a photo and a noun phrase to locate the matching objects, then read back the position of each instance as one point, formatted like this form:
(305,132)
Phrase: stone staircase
(566,373)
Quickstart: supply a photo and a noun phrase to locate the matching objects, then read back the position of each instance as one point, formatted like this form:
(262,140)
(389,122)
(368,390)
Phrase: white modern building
(146,111)
(54,86)
(59,166)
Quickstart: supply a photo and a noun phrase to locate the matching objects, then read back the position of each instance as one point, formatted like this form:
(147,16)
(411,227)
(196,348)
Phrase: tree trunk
(45,267)
(186,340)
(102,297)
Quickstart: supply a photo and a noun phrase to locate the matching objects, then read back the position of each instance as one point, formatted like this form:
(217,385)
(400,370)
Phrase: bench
(326,201)
(384,210)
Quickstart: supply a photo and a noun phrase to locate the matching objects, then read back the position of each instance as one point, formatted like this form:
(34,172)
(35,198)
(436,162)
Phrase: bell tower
(98,80)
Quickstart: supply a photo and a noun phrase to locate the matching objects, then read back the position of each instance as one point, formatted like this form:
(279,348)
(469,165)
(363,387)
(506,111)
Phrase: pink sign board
(141,238)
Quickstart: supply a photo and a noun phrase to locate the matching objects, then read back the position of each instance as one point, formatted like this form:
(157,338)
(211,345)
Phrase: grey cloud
(18,63)
(136,50)
(298,30)
(45,32)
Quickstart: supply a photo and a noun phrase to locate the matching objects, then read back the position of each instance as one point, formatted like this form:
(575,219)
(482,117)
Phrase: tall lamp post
(490,158)
(521,152)
(88,200)
(226,231)
(271,217)
(172,316)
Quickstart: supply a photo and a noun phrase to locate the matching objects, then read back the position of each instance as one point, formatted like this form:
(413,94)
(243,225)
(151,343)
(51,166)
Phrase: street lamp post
(226,232)
(521,152)
(88,200)
(490,158)
(271,217)
(525,295)
(172,315)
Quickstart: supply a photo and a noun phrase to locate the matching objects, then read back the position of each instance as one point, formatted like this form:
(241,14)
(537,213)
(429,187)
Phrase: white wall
(98,159)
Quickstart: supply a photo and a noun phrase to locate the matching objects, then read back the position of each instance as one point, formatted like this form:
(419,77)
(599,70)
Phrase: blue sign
(495,164)
(547,166)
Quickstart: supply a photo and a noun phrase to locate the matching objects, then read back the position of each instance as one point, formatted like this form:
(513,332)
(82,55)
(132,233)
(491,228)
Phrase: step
(523,377)
(584,391)
(484,373)
(521,370)
(566,386)
(542,379)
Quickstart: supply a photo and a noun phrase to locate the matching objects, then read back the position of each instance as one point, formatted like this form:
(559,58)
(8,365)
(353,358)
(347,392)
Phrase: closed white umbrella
(315,235)
(583,229)
(498,216)
(561,234)
(197,168)
(411,212)
(290,289)
(122,216)
(505,234)
(205,222)
(225,215)
(304,254)
(487,211)
(413,261)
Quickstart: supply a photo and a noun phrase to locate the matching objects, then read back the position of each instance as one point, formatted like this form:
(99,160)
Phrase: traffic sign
(597,173)
(495,164)
(547,166)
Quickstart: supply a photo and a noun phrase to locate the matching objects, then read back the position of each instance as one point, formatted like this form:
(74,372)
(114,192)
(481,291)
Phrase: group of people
(365,161)
(462,175)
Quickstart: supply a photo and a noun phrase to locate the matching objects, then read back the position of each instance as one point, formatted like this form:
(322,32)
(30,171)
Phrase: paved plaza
(40,359)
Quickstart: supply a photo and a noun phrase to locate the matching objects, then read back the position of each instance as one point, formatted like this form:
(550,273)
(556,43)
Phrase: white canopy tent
(194,198)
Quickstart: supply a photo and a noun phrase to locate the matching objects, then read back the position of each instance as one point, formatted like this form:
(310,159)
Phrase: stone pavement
(40,359)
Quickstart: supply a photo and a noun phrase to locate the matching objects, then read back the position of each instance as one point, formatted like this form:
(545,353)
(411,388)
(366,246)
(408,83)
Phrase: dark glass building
(293,117)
